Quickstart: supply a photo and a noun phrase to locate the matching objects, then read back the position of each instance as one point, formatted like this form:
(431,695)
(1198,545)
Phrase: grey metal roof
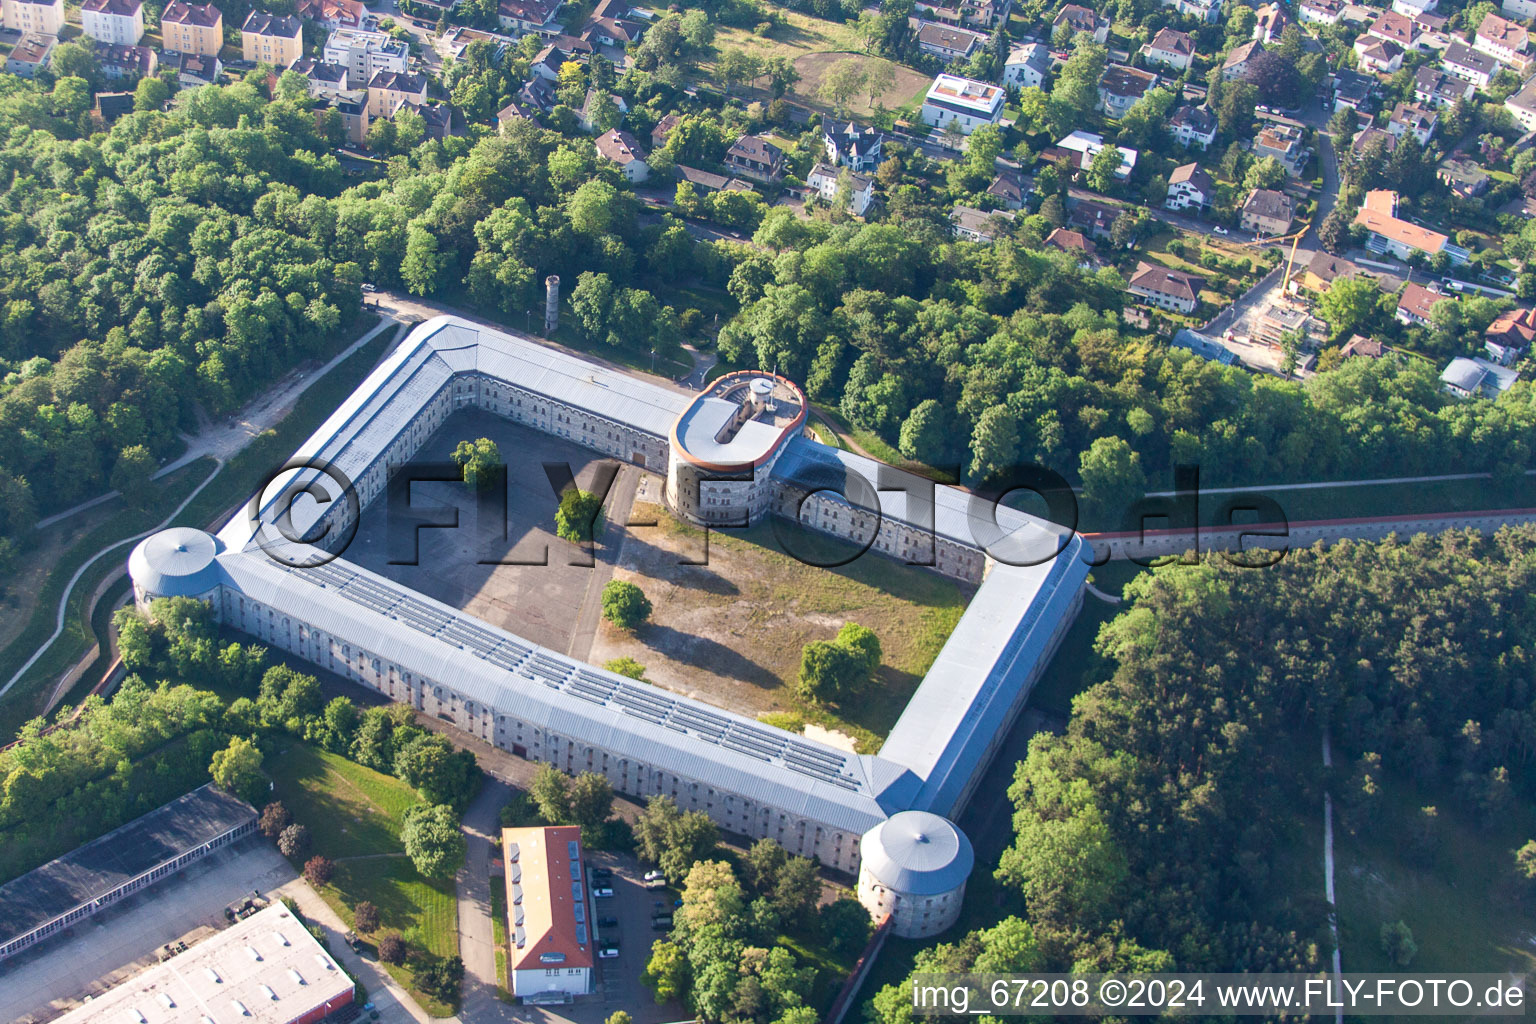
(917,853)
(95,869)
(178,562)
(699,429)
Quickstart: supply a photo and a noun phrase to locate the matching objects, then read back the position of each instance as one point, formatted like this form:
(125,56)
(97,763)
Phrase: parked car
(1218,229)
(608,952)
(656,876)
(661,922)
(602,892)
(607,922)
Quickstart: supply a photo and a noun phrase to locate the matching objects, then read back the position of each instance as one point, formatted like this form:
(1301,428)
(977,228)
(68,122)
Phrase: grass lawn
(730,631)
(353,814)
(499,934)
(1463,905)
(801,33)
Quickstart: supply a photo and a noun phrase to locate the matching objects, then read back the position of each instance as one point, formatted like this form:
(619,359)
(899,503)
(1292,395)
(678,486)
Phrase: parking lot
(618,985)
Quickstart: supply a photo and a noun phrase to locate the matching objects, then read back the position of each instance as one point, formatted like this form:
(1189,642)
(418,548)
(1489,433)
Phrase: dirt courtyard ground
(906,86)
(730,632)
(539,601)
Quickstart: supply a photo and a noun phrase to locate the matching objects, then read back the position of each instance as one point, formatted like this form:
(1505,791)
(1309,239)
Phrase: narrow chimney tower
(551,303)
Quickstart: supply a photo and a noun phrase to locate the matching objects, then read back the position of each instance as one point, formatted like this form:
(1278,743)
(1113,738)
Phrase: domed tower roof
(918,853)
(178,562)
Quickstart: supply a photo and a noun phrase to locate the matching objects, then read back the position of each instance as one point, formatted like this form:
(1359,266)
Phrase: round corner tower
(179,562)
(914,868)
(725,443)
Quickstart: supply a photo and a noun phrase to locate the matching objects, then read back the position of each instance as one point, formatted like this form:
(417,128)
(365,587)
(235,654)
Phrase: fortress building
(736,452)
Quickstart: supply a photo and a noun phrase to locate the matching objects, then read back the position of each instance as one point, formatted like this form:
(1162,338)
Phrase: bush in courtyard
(318,870)
(293,842)
(274,818)
(432,839)
(625,605)
(365,917)
(626,666)
(480,459)
(578,516)
(392,948)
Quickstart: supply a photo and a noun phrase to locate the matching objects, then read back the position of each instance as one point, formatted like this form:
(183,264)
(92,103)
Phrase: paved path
(477,945)
(1333,910)
(1322,484)
(621,501)
(222,440)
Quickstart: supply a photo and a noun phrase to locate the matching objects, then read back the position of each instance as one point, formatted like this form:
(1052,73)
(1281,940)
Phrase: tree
(318,870)
(625,605)
(132,475)
(618,1017)
(626,666)
(845,926)
(151,94)
(433,840)
(293,842)
(392,948)
(842,83)
(925,433)
(274,818)
(1349,303)
(591,802)
(666,972)
(365,917)
(1276,78)
(672,839)
(1525,860)
(237,769)
(1104,168)
(481,461)
(435,769)
(1112,476)
(550,790)
(734,67)
(578,517)
(994,444)
(441,977)
(1397,944)
(1265,173)
(879,78)
(831,672)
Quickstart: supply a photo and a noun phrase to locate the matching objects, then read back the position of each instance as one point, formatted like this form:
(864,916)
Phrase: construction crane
(1295,239)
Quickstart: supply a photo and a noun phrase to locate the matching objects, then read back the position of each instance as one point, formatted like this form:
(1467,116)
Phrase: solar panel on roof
(731,743)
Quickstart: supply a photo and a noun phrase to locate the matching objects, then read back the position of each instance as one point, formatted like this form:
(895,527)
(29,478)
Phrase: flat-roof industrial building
(817,800)
(124,861)
(266,969)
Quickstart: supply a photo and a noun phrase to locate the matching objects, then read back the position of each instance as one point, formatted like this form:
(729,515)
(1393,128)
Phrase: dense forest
(1149,832)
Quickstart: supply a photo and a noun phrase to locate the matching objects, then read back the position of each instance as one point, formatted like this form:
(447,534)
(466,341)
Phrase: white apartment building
(967,103)
(120,22)
(365,54)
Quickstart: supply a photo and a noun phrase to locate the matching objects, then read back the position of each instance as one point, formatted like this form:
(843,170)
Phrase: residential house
(529,17)
(613,25)
(1510,335)
(756,157)
(552,948)
(852,145)
(33,17)
(191,28)
(1096,220)
(1235,66)
(388,88)
(966,103)
(1367,136)
(588,112)
(1189,186)
(1464,176)
(1323,269)
(1027,66)
(461,37)
(538,94)
(1401,238)
(324,79)
(709,181)
(1378,55)
(1412,119)
(1322,12)
(981,14)
(335,14)
(352,106)
(1523,105)
(1165,288)
(947,43)
(663,129)
(1170,48)
(517,110)
(436,115)
(825,179)
(973,225)
(1075,243)
(1469,65)
(1520,10)
(1352,90)
(1007,189)
(364,54)
(117,61)
(562,48)
(119,22)
(276,39)
(1438,88)
(1267,212)
(193,69)
(1269,22)
(1360,345)
(1477,378)
(109,106)
(1505,41)
(1200,10)
(31,54)
(1080,19)
(1121,86)
(1416,305)
(1391,27)
(619,147)
(1086,146)
(1414,8)
(1193,127)
(1284,143)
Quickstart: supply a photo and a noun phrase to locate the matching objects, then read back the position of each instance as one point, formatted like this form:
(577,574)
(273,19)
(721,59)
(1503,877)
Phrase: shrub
(625,605)
(365,917)
(392,948)
(274,818)
(318,870)
(293,842)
